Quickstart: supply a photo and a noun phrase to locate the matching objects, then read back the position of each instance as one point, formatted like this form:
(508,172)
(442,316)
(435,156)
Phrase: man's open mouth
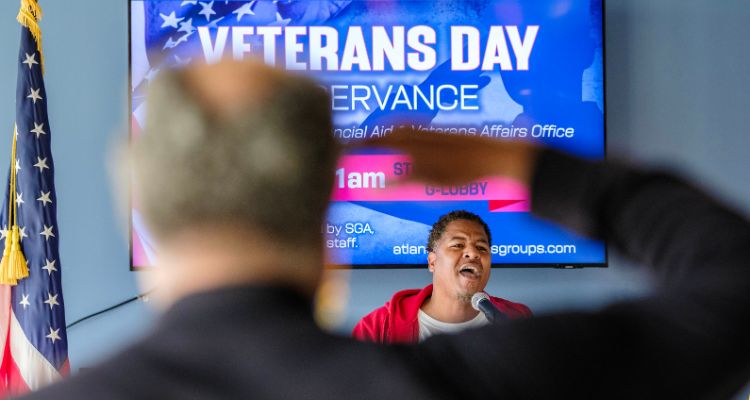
(470,271)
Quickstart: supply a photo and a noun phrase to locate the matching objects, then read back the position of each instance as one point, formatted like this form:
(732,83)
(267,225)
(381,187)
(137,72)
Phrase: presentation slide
(503,69)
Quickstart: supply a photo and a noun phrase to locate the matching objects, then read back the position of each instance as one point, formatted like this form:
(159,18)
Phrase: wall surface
(678,91)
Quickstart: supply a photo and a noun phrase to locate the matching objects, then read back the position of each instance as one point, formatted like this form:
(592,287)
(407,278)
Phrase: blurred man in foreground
(459,259)
(233,173)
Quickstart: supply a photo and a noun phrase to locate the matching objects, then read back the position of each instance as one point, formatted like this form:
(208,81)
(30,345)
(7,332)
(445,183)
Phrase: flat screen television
(506,69)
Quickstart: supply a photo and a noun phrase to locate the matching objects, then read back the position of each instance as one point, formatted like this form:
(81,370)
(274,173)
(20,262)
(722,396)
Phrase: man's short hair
(438,228)
(268,168)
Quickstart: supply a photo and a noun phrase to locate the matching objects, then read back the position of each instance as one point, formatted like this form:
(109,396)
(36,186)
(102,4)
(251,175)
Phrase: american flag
(32,316)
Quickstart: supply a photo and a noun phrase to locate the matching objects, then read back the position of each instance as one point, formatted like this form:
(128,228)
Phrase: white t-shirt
(429,326)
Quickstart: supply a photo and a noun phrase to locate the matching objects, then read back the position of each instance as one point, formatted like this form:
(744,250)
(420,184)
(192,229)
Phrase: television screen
(504,69)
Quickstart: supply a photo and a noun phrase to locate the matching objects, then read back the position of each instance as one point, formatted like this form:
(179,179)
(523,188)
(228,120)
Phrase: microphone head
(476,298)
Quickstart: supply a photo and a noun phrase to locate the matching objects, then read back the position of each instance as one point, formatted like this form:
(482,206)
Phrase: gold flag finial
(29,16)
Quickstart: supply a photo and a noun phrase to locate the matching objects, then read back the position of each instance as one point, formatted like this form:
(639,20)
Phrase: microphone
(481,302)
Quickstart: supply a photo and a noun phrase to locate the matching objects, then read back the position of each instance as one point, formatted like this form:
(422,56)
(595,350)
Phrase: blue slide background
(563,86)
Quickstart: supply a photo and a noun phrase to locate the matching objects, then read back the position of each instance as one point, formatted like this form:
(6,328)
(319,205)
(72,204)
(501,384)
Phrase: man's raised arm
(686,340)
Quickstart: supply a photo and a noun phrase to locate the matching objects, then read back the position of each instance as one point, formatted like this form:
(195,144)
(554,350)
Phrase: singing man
(459,259)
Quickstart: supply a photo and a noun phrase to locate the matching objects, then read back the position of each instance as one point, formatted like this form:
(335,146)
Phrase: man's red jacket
(396,321)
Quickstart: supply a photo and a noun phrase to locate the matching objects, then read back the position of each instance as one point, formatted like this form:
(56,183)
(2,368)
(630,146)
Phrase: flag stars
(18,165)
(50,267)
(280,21)
(41,163)
(19,198)
(215,23)
(169,44)
(186,26)
(246,9)
(34,95)
(24,301)
(186,2)
(170,20)
(44,198)
(22,233)
(4,232)
(183,38)
(38,129)
(207,10)
(51,300)
(47,232)
(54,335)
(30,60)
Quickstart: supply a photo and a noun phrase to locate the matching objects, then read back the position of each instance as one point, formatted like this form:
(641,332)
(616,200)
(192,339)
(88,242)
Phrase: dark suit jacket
(689,340)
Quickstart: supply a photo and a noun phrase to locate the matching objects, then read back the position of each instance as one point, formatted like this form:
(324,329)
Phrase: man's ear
(431,257)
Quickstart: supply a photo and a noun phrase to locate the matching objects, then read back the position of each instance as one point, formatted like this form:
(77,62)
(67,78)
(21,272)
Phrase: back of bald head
(236,143)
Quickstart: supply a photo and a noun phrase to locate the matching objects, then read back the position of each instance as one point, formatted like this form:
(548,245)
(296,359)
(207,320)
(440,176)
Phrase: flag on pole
(32,317)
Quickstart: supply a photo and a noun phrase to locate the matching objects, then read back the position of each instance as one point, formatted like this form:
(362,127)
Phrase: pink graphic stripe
(380,178)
